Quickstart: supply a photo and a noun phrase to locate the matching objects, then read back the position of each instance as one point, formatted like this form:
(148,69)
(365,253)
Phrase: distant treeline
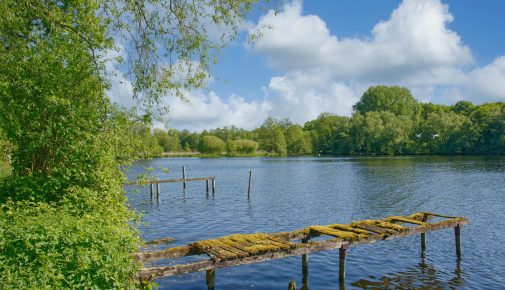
(386,121)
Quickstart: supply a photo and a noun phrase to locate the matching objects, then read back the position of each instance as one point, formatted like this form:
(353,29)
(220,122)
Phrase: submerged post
(210,278)
(184,177)
(207,186)
(249,187)
(342,253)
(457,235)
(158,191)
(213,186)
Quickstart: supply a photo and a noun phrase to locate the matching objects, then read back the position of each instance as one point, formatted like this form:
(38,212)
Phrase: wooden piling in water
(158,191)
(305,272)
(210,279)
(152,192)
(457,235)
(249,187)
(213,186)
(207,186)
(184,177)
(423,244)
(342,253)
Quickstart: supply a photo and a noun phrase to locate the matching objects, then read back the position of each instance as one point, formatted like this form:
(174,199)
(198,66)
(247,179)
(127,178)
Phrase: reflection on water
(420,276)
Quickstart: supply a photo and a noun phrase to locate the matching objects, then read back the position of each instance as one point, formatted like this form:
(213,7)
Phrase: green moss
(348,228)
(403,219)
(379,223)
(348,236)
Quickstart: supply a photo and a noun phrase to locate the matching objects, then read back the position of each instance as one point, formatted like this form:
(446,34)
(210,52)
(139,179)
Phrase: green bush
(246,146)
(211,145)
(84,241)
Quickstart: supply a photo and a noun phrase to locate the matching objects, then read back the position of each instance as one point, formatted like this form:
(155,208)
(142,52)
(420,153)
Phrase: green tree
(488,120)
(393,99)
(298,142)
(211,145)
(330,134)
(380,133)
(271,137)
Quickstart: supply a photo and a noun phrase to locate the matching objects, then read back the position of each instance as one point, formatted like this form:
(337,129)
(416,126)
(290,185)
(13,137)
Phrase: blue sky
(319,56)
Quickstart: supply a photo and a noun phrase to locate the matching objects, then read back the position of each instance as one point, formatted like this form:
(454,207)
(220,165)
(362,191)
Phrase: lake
(292,193)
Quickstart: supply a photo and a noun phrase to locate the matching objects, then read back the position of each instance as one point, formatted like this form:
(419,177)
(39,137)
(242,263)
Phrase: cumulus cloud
(209,111)
(488,82)
(415,39)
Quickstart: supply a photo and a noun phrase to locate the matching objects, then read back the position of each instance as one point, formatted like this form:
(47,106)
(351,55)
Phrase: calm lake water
(292,193)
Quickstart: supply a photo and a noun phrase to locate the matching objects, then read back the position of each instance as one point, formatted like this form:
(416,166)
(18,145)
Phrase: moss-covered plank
(345,235)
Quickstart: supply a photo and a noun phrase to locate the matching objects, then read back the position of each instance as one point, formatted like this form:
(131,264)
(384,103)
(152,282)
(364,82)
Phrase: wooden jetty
(240,249)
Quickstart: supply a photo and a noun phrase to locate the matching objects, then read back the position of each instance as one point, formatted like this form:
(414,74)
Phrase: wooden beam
(144,182)
(175,252)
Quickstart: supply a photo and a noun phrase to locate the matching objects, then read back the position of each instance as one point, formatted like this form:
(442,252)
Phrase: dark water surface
(292,193)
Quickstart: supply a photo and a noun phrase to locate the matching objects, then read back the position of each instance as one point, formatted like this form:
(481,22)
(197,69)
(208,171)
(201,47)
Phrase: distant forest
(387,120)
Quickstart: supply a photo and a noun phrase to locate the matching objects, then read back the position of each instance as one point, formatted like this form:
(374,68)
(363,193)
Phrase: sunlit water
(292,193)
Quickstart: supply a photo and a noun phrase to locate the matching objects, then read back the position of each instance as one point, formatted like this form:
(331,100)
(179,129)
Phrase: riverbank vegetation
(386,121)
(64,220)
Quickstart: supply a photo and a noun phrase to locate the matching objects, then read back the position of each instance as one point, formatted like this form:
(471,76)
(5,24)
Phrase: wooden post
(457,235)
(249,187)
(305,268)
(210,277)
(423,245)
(213,186)
(152,192)
(158,191)
(305,272)
(207,186)
(184,177)
(342,253)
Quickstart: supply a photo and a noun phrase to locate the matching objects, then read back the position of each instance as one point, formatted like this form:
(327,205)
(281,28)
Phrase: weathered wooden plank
(158,272)
(175,252)
(145,182)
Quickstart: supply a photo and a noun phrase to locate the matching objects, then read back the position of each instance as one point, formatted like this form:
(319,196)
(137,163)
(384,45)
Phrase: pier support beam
(342,253)
(213,186)
(305,272)
(423,245)
(207,186)
(457,235)
(158,192)
(210,278)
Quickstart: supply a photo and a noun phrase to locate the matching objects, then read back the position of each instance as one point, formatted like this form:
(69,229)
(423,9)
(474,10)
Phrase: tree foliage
(63,220)
(394,99)
(463,128)
(211,145)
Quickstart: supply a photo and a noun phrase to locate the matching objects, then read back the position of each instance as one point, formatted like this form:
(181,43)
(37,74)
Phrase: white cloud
(209,111)
(414,40)
(488,82)
(302,96)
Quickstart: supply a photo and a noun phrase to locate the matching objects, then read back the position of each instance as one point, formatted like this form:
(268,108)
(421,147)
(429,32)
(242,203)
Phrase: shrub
(211,145)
